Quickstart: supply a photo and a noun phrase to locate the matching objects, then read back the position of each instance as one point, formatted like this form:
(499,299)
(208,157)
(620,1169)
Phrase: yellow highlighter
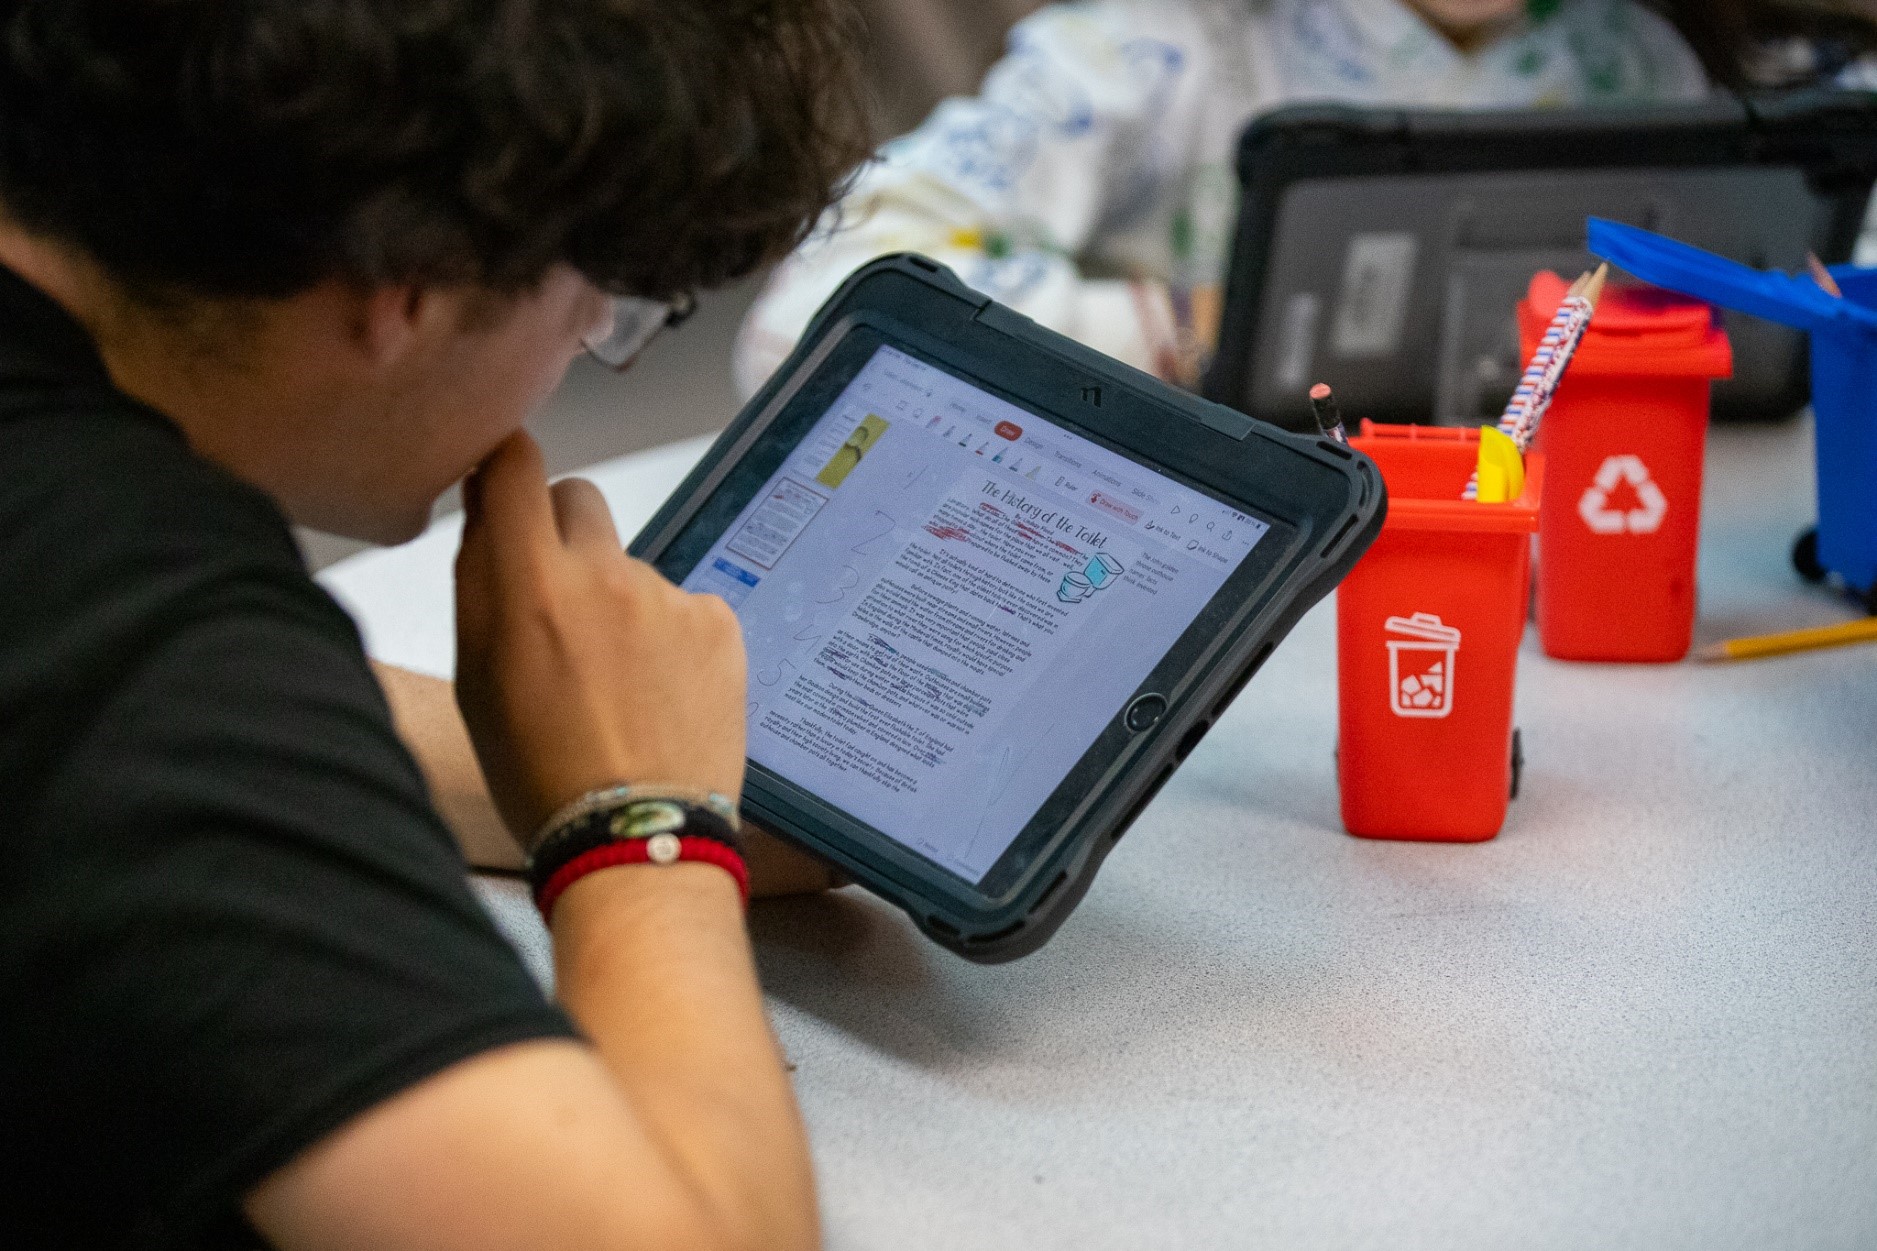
(1501,468)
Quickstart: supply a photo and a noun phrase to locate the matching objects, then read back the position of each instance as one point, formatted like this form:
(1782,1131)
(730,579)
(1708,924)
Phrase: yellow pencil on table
(1863,630)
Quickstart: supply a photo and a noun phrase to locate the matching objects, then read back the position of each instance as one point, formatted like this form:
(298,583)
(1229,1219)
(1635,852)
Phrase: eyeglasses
(634,323)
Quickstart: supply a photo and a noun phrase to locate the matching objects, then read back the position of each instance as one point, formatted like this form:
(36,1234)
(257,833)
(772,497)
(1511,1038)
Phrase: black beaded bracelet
(644,817)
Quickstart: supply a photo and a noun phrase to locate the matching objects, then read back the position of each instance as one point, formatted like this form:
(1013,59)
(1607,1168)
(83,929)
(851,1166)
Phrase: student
(316,260)
(1089,184)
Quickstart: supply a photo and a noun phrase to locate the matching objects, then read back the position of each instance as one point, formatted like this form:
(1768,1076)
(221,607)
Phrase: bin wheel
(1518,761)
(1805,556)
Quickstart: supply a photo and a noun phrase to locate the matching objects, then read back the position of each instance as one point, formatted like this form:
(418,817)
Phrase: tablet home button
(1144,712)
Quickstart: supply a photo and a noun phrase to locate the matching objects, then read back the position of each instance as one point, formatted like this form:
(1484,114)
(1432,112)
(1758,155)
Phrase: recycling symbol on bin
(1595,506)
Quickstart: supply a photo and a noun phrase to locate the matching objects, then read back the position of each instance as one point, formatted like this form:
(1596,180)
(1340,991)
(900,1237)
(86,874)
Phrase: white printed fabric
(1099,150)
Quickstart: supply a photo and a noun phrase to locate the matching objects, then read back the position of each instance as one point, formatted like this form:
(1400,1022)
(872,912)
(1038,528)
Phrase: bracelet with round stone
(609,797)
(668,830)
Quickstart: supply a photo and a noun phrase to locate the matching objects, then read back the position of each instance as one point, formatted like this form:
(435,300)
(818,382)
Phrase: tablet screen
(946,598)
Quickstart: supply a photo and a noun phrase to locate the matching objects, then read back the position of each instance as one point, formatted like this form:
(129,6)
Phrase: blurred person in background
(1089,184)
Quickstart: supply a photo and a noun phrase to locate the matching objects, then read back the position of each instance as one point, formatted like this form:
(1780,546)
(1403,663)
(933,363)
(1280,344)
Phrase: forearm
(676,1127)
(655,966)
(424,709)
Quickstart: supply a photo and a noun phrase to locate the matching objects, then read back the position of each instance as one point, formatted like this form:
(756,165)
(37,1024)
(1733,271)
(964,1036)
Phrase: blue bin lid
(1790,299)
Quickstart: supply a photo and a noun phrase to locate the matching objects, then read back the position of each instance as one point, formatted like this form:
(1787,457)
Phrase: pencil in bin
(1329,415)
(1526,409)
(1822,276)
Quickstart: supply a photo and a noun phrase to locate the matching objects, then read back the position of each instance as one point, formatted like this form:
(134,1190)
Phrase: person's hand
(578,667)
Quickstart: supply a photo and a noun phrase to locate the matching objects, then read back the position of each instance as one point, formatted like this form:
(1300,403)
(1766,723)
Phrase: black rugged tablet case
(1331,495)
(1828,136)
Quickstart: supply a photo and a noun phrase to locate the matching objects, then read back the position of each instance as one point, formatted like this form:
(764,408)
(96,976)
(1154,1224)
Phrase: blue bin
(1844,404)
(1844,379)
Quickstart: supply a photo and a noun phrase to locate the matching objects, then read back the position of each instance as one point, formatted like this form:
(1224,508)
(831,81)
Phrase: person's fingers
(515,515)
(472,497)
(500,525)
(584,520)
(475,600)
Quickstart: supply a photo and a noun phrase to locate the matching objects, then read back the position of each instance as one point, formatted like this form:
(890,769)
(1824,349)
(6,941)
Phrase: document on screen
(945,599)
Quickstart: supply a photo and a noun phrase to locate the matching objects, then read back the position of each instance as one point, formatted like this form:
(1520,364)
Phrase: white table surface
(1645,1016)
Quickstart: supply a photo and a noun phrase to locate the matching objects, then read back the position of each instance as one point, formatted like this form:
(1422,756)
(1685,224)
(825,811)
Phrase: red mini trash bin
(1428,625)
(1623,445)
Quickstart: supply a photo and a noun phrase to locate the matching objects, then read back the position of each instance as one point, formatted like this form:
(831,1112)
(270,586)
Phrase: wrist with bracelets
(639,824)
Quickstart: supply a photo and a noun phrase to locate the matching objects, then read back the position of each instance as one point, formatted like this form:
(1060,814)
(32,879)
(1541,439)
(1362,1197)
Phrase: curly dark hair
(256,147)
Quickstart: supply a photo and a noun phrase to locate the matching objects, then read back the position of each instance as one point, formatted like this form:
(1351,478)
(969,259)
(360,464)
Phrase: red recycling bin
(1428,625)
(1623,444)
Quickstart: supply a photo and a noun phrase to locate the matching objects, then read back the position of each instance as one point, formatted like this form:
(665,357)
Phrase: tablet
(1383,250)
(994,588)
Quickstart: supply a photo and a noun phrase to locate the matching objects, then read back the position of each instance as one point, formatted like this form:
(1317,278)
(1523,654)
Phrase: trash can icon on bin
(1420,665)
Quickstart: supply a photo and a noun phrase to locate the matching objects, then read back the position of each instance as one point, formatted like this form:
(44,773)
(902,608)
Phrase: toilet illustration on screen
(1100,570)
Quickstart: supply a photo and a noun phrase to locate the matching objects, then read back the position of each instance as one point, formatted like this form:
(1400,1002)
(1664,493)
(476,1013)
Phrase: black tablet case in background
(1490,197)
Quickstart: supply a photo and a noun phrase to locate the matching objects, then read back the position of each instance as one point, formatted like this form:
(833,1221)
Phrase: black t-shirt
(230,918)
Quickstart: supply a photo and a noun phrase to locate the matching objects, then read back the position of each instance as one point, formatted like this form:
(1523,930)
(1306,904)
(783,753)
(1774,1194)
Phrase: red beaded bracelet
(638,851)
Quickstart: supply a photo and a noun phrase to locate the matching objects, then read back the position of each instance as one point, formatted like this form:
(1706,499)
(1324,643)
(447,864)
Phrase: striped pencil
(1519,421)
(1572,319)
